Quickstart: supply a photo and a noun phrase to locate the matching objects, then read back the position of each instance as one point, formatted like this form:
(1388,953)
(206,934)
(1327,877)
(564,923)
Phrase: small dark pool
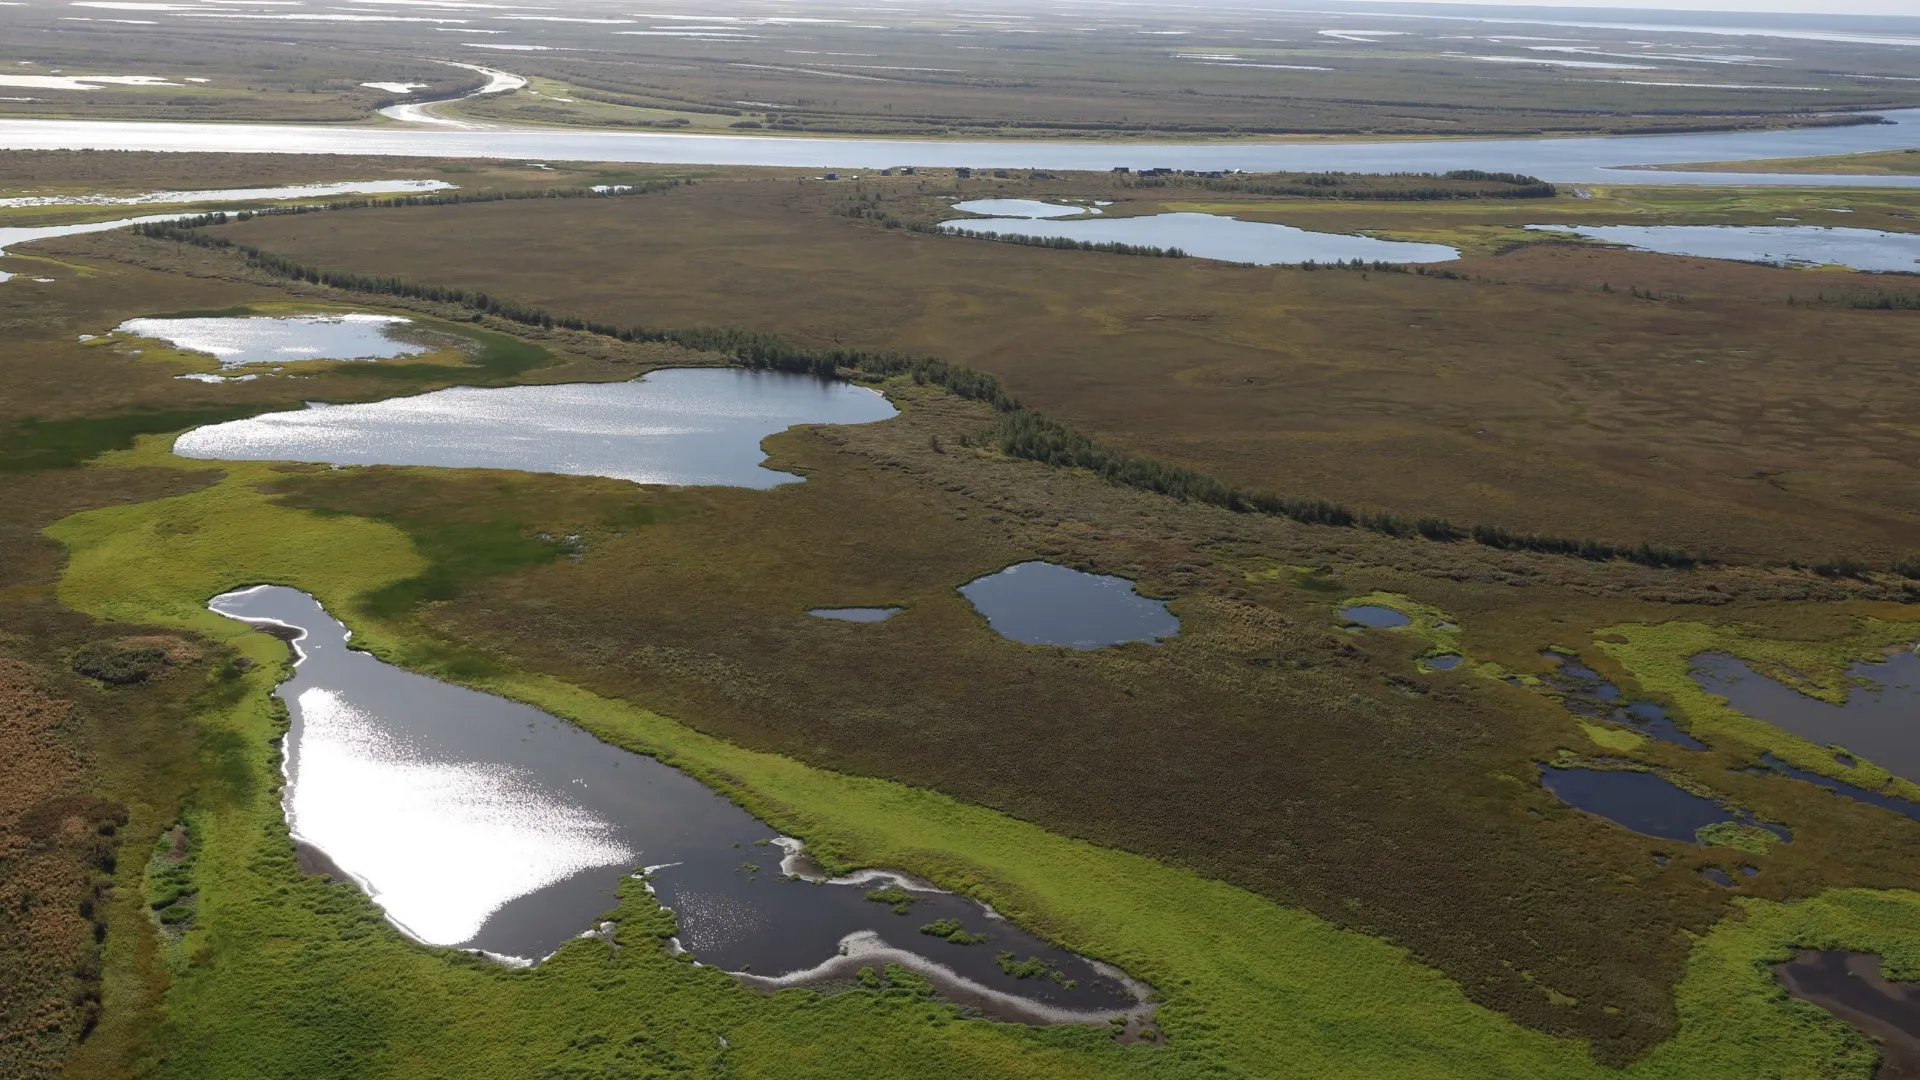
(1585,693)
(1442,662)
(1642,801)
(481,823)
(856,614)
(1717,876)
(1850,986)
(1374,615)
(1038,603)
(1879,722)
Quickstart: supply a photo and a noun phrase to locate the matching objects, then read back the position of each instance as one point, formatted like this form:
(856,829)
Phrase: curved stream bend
(484,824)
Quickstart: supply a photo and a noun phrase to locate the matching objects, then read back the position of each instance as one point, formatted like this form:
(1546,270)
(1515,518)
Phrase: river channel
(1595,159)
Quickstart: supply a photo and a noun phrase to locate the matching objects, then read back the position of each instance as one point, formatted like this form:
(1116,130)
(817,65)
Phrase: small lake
(1879,722)
(1586,693)
(1039,603)
(1374,616)
(1645,802)
(1790,245)
(681,426)
(856,614)
(1211,236)
(1852,987)
(1023,208)
(480,823)
(237,341)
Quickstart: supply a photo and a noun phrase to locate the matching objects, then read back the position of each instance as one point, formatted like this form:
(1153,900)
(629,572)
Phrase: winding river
(1565,160)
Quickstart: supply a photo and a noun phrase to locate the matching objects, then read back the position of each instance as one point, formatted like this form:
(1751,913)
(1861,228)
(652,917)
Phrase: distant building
(1121,169)
(963,172)
(907,171)
(833,176)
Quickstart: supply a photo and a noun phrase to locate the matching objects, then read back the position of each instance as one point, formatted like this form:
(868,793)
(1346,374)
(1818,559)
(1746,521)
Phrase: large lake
(680,426)
(1206,236)
(481,823)
(1577,160)
(1790,245)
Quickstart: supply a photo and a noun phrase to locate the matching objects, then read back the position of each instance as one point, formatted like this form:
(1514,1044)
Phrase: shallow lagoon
(1880,720)
(679,426)
(1211,236)
(1039,603)
(484,824)
(237,341)
(1792,245)
(1645,802)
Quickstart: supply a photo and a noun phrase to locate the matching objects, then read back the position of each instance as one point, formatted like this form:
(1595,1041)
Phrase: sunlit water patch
(680,426)
(1374,616)
(1211,236)
(1039,603)
(1023,208)
(237,341)
(1789,245)
(484,824)
(1880,720)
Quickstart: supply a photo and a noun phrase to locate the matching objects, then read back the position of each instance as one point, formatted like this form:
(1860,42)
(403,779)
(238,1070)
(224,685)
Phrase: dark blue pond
(1374,615)
(1038,603)
(1845,790)
(1642,801)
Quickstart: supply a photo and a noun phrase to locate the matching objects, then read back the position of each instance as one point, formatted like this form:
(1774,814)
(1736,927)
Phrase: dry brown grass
(1730,422)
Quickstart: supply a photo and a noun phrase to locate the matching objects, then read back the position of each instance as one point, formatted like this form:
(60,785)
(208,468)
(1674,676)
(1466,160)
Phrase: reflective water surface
(1880,720)
(1792,245)
(1023,208)
(1585,693)
(1211,236)
(1575,160)
(678,426)
(1039,603)
(287,191)
(481,823)
(256,339)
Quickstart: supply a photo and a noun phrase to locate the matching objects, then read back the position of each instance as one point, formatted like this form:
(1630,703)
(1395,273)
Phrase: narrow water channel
(481,823)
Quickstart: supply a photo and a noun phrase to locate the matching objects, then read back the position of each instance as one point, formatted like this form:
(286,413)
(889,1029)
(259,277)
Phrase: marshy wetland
(1174,729)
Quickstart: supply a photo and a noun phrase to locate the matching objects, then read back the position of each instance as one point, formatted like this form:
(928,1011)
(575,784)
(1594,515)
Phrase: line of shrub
(1021,432)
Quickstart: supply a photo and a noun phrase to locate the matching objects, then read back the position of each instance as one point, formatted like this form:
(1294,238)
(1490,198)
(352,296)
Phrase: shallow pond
(287,191)
(1851,986)
(1211,236)
(480,823)
(856,614)
(1039,603)
(1023,208)
(1793,245)
(1879,722)
(1585,693)
(1645,802)
(1374,615)
(678,426)
(262,339)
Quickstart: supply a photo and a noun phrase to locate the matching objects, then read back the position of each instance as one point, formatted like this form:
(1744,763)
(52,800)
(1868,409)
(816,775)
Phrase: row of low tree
(1019,433)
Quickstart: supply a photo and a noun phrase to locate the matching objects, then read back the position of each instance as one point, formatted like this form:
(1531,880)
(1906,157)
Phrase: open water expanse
(1206,236)
(1571,160)
(1790,245)
(485,824)
(680,426)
